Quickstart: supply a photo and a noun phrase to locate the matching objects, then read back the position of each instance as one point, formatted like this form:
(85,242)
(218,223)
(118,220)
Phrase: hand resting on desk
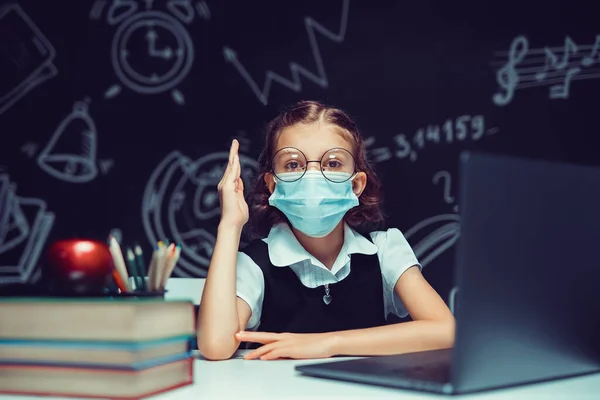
(288,345)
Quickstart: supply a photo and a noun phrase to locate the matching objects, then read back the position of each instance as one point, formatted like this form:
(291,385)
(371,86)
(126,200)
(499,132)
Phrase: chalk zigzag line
(320,78)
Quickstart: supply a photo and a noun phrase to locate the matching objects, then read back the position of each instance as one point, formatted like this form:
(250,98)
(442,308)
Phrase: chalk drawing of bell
(70,155)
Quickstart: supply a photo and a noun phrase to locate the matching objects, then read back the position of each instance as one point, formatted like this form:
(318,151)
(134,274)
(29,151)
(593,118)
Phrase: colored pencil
(117,278)
(132,268)
(152,269)
(119,262)
(170,265)
(163,253)
(141,266)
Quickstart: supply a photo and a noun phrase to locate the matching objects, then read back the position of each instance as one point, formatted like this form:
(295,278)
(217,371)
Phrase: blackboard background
(398,67)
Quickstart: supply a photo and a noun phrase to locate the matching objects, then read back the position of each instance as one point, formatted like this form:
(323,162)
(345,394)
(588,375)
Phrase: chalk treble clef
(507,76)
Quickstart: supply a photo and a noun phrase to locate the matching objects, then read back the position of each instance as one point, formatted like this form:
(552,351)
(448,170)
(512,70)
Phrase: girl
(312,286)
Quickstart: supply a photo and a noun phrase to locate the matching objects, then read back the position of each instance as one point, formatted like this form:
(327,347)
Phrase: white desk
(243,380)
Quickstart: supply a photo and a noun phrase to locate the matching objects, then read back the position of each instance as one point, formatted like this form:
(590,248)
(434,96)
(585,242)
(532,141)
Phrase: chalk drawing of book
(26,56)
(24,228)
(70,154)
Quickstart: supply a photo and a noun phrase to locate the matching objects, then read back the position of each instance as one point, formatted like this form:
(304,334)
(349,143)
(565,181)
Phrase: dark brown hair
(366,216)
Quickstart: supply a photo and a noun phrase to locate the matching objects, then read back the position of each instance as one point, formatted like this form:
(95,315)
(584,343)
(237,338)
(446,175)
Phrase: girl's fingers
(240,187)
(260,351)
(227,172)
(232,151)
(235,145)
(233,170)
(236,170)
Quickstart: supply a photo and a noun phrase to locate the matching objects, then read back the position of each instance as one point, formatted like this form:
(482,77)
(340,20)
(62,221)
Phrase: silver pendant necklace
(327,297)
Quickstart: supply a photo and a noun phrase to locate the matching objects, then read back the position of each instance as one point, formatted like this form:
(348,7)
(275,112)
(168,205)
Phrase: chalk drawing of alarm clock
(152,51)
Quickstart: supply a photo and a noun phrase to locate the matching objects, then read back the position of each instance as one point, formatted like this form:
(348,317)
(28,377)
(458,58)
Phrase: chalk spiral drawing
(522,67)
(181,203)
(28,56)
(294,84)
(24,228)
(452,130)
(71,153)
(434,235)
(168,56)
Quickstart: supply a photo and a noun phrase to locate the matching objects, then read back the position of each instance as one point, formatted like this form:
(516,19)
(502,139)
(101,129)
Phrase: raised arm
(221,313)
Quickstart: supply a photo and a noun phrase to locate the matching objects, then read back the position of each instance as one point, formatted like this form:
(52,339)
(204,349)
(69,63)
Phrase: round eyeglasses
(290,164)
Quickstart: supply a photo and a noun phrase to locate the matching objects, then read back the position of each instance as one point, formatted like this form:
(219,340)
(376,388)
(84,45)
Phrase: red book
(95,383)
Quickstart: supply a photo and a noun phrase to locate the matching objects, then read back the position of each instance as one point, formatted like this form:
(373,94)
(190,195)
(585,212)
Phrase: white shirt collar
(284,248)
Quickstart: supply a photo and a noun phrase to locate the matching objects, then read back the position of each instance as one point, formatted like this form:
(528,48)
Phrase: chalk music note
(552,62)
(508,76)
(589,59)
(561,91)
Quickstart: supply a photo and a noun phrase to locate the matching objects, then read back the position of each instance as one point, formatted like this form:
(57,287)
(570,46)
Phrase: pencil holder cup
(158,295)
(135,283)
(140,289)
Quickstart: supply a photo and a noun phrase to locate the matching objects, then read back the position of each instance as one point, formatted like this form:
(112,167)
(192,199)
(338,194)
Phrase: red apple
(79,265)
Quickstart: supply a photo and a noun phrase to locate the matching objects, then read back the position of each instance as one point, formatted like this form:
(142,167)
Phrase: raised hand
(234,209)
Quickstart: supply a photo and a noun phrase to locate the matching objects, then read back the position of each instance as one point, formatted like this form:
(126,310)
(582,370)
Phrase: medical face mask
(313,204)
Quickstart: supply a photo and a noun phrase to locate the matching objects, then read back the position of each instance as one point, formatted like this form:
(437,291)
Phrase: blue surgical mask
(313,204)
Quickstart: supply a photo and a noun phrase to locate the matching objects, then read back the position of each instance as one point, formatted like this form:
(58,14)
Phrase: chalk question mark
(447,181)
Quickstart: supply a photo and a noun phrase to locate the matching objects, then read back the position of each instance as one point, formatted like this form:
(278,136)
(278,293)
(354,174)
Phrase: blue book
(95,354)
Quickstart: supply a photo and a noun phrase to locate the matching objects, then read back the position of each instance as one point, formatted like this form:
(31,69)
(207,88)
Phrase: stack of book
(110,348)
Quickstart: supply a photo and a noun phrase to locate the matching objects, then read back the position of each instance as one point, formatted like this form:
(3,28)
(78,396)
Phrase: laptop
(528,275)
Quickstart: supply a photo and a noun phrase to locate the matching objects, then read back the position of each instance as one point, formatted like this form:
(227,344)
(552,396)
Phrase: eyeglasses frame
(317,161)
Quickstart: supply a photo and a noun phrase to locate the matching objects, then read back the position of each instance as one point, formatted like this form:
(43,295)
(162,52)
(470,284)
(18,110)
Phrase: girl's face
(314,140)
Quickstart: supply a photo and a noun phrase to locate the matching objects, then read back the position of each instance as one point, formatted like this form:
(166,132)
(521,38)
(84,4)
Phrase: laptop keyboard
(432,372)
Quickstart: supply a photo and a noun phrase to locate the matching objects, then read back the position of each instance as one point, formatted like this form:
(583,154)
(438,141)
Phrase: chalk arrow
(294,83)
